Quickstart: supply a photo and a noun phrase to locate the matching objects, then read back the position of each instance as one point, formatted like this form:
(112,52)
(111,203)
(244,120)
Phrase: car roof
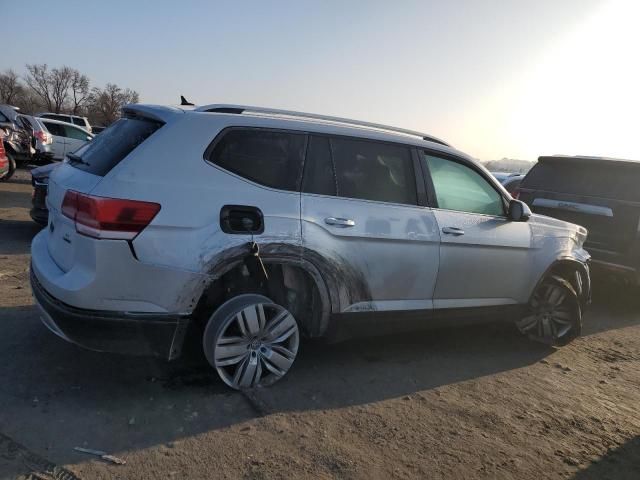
(61,115)
(585,159)
(51,120)
(317,125)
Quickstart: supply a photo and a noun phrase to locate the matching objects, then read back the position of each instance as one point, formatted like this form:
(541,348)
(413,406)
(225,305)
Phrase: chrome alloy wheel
(554,314)
(255,345)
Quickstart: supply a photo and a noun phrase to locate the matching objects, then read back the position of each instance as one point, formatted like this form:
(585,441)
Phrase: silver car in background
(278,225)
(67,138)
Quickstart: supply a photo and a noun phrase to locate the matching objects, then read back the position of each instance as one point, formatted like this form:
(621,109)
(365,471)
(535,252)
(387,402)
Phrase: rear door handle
(453,230)
(339,222)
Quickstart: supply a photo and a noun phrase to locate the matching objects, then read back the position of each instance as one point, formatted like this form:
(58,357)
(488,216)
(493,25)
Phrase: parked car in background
(66,137)
(510,181)
(40,181)
(41,139)
(279,225)
(603,195)
(82,122)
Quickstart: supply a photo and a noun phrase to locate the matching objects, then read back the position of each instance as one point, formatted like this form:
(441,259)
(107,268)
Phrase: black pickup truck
(601,194)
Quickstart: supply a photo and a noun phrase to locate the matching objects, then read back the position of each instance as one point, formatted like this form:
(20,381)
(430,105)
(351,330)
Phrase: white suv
(82,122)
(260,226)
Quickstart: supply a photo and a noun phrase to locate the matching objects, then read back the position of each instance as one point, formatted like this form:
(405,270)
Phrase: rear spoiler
(152,112)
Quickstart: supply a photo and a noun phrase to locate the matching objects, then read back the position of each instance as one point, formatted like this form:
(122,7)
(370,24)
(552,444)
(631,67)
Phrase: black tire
(12,168)
(251,341)
(555,313)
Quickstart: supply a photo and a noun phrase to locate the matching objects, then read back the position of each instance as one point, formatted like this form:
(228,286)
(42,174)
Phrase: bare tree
(10,87)
(105,104)
(79,90)
(37,80)
(51,86)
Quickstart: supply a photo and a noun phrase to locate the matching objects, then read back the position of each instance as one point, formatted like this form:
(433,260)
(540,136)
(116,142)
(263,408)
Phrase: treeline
(63,90)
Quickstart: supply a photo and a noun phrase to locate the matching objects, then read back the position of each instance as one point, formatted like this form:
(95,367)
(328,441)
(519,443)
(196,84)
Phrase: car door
(484,257)
(365,224)
(58,133)
(74,138)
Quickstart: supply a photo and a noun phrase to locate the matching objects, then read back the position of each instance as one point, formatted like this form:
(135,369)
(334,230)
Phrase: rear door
(58,133)
(600,195)
(482,254)
(364,218)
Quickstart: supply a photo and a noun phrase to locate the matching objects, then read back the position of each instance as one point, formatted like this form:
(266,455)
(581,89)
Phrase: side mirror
(518,211)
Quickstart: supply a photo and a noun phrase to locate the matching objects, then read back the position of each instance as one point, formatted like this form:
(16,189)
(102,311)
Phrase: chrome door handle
(453,230)
(339,222)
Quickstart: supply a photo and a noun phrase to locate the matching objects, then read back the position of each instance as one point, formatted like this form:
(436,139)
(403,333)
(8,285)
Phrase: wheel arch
(567,267)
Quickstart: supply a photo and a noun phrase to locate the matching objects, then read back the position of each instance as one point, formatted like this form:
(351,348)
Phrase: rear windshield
(590,178)
(109,148)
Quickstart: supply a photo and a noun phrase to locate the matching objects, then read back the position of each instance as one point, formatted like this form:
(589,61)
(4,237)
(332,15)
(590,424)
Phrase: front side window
(75,133)
(371,170)
(458,187)
(268,157)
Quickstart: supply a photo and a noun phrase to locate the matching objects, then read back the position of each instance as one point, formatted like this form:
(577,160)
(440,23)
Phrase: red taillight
(43,136)
(113,218)
(516,194)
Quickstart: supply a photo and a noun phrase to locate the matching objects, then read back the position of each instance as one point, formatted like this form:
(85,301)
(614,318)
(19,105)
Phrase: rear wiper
(76,159)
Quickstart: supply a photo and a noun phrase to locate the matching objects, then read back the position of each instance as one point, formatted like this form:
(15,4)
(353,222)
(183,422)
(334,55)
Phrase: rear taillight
(516,194)
(43,136)
(113,218)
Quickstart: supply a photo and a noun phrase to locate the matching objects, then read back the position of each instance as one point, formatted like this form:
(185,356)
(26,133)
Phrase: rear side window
(268,157)
(78,121)
(55,129)
(373,171)
(319,175)
(592,178)
(114,144)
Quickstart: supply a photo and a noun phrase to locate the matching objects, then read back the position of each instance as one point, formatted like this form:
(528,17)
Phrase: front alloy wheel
(555,316)
(251,341)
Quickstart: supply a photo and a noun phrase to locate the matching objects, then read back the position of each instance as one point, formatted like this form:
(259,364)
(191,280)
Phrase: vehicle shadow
(622,463)
(55,396)
(9,199)
(16,236)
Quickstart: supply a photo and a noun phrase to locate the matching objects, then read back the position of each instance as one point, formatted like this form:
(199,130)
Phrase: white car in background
(67,138)
(82,122)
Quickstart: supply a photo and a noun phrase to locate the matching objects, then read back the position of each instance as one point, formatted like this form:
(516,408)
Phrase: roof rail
(239,109)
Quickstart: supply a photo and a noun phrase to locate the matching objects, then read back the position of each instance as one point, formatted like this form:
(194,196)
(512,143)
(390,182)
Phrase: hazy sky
(495,78)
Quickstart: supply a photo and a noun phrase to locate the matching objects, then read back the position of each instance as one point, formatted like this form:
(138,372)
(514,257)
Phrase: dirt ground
(478,402)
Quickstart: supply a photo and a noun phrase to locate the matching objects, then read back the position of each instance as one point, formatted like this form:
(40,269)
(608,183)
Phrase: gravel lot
(477,402)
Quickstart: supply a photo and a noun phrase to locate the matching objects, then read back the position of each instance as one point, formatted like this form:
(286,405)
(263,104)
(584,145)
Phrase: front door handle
(453,230)
(339,222)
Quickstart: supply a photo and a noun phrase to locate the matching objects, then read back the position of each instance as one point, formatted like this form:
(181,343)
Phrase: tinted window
(79,121)
(267,157)
(591,177)
(319,176)
(3,118)
(374,171)
(461,188)
(114,144)
(55,129)
(75,133)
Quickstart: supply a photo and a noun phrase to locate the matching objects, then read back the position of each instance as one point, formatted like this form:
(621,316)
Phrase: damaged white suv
(258,227)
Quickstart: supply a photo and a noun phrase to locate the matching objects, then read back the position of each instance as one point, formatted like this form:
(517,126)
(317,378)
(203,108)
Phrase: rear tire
(251,341)
(12,168)
(555,314)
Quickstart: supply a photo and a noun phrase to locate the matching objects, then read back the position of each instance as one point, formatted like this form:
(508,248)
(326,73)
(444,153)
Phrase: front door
(361,215)
(483,255)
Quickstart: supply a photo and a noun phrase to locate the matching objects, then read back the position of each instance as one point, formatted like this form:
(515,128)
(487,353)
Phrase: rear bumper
(150,334)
